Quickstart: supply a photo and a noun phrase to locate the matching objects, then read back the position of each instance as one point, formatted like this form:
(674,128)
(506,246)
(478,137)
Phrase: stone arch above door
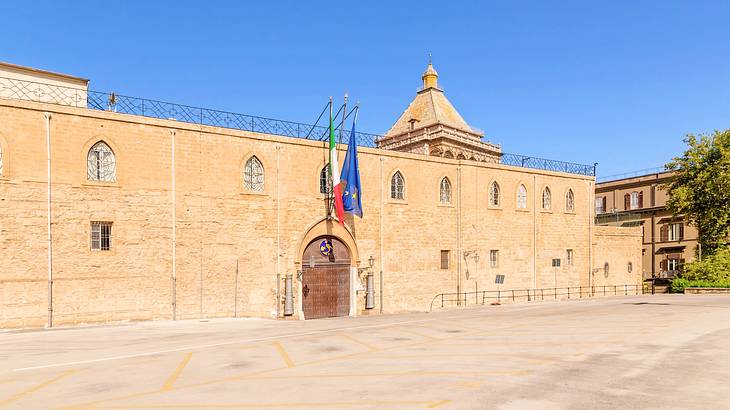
(328,227)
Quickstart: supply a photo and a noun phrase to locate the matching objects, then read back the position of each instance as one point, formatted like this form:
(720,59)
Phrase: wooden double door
(326,278)
(326,291)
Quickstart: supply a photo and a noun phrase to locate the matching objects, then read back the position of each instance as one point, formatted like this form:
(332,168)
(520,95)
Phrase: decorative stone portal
(326,278)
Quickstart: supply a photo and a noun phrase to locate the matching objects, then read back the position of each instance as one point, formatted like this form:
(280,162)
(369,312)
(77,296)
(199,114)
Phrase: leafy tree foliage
(700,188)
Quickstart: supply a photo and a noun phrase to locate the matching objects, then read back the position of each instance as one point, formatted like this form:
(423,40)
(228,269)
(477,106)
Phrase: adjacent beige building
(112,216)
(639,200)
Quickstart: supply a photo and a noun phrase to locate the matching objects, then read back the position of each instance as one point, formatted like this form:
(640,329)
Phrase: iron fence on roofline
(112,102)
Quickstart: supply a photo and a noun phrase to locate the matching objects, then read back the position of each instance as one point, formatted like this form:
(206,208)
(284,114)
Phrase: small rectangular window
(569,257)
(101,236)
(494,258)
(445,259)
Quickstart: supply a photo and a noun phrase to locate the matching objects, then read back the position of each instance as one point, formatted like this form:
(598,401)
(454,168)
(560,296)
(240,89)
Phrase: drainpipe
(49,324)
(534,232)
(289,305)
(458,235)
(174,241)
(591,221)
(382,209)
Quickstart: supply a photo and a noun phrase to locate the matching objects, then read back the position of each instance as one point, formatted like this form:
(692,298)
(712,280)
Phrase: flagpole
(330,203)
(342,123)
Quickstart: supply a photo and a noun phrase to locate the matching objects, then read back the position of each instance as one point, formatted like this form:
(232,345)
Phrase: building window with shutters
(634,200)
(101,236)
(675,232)
(600,205)
(494,258)
(445,259)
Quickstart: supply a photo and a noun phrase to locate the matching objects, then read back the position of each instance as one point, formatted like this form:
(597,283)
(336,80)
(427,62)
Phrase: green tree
(700,188)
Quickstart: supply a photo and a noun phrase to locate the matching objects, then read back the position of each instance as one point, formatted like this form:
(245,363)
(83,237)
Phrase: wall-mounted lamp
(371,261)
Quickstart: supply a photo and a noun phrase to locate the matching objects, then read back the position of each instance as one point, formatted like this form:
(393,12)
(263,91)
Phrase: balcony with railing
(11,88)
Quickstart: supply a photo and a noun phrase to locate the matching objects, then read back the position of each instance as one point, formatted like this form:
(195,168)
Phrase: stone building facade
(157,219)
(668,241)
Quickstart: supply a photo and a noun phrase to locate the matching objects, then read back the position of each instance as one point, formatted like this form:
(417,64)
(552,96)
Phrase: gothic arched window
(546,198)
(253,175)
(325,182)
(494,194)
(569,201)
(445,191)
(397,186)
(101,164)
(522,197)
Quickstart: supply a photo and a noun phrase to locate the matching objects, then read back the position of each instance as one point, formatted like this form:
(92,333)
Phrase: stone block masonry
(233,244)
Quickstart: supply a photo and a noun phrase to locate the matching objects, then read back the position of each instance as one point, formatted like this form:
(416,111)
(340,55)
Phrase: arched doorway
(326,278)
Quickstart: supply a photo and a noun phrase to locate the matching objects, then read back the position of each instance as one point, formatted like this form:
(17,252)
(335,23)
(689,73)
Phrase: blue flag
(352,194)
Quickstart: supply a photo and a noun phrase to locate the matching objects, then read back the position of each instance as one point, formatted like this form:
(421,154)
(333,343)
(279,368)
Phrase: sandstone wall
(232,245)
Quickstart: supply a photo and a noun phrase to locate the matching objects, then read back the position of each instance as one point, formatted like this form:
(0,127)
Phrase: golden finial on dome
(430,76)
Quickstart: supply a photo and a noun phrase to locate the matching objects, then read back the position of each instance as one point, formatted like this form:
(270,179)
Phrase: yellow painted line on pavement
(35,388)
(419,334)
(335,404)
(284,355)
(176,374)
(360,342)
(94,404)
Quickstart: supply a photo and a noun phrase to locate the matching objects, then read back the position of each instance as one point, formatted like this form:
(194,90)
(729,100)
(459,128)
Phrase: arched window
(445,191)
(494,194)
(325,182)
(569,201)
(546,198)
(397,186)
(522,197)
(101,164)
(253,175)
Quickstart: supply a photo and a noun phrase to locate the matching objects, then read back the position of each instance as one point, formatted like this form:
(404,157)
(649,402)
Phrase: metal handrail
(578,292)
(105,101)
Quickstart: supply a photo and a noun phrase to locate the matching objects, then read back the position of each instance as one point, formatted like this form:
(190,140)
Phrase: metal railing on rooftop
(637,173)
(112,102)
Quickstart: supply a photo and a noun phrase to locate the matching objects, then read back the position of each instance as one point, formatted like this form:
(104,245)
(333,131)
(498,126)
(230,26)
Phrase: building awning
(670,249)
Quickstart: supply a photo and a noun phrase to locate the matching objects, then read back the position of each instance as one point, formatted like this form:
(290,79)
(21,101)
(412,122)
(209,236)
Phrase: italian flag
(335,174)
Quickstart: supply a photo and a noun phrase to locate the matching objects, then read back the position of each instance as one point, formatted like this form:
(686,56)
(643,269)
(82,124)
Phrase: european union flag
(352,195)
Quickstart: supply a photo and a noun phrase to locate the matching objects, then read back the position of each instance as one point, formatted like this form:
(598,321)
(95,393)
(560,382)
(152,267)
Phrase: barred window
(494,258)
(494,194)
(101,236)
(253,175)
(101,164)
(569,201)
(522,197)
(445,191)
(546,198)
(325,182)
(569,257)
(397,186)
(444,259)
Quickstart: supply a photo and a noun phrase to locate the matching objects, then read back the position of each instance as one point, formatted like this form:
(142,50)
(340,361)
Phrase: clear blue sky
(614,82)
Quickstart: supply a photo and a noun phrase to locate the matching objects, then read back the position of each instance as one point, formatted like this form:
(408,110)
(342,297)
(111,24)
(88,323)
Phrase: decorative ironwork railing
(104,101)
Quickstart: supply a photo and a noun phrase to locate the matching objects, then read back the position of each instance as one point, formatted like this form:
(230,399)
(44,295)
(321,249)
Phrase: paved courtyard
(669,351)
